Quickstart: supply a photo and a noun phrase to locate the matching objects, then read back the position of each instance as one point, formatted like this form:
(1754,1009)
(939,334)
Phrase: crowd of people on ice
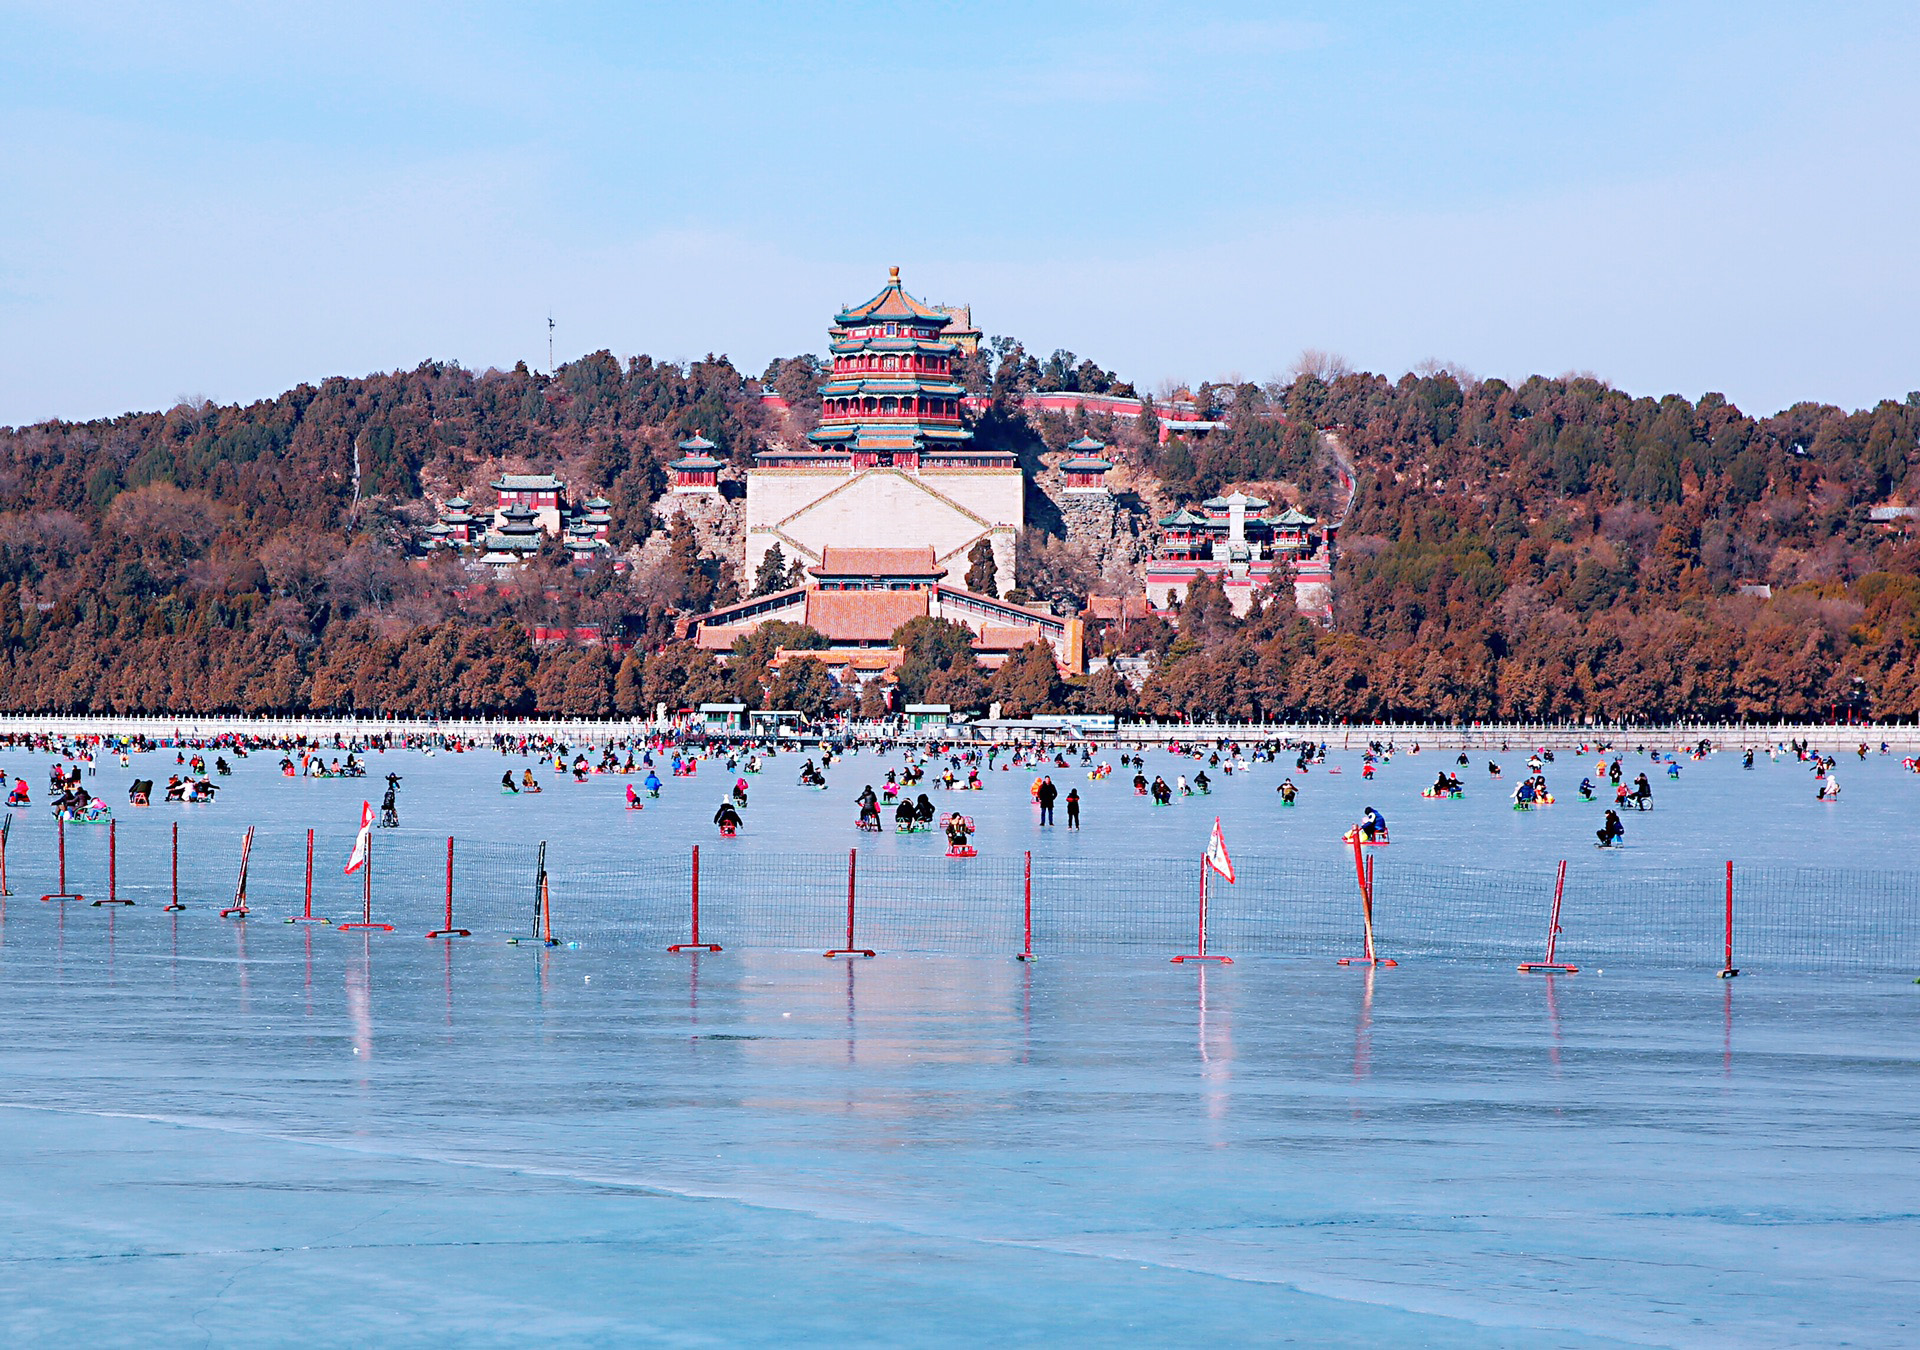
(951,766)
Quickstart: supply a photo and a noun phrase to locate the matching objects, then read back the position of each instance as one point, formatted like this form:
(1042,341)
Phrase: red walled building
(891,393)
(1086,469)
(536,491)
(696,471)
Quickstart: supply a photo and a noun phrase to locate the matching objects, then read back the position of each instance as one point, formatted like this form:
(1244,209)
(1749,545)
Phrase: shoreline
(1339,735)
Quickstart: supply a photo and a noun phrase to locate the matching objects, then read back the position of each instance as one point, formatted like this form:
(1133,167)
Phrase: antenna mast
(549,342)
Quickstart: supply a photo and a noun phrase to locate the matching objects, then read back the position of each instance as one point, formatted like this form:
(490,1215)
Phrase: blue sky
(228,199)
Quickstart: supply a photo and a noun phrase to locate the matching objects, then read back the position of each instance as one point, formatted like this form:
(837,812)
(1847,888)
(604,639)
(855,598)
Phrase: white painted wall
(886,508)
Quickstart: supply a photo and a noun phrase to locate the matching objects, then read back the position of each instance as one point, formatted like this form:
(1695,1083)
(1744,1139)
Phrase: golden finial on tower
(893,276)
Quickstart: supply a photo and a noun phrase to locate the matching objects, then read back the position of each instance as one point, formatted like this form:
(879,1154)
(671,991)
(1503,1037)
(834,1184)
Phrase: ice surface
(1712,812)
(255,1132)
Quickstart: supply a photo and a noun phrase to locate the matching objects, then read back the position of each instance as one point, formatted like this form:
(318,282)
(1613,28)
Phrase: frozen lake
(224,1132)
(1766,816)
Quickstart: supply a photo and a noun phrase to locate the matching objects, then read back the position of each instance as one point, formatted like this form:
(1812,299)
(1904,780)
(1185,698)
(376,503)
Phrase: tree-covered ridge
(1555,548)
(1560,548)
(219,558)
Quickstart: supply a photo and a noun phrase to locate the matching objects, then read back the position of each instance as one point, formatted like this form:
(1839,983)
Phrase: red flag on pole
(362,840)
(1217,857)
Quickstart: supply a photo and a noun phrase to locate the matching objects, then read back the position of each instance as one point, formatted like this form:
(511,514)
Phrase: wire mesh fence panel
(1826,919)
(494,884)
(784,900)
(1800,919)
(1672,919)
(641,902)
(1309,907)
(34,858)
(276,870)
(136,864)
(409,873)
(938,903)
(496,887)
(1314,909)
(209,861)
(277,875)
(1130,902)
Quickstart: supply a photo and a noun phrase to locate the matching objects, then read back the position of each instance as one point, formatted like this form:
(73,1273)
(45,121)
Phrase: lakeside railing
(1614,909)
(1348,735)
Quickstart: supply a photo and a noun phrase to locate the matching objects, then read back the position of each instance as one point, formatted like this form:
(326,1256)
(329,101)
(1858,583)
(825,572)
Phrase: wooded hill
(1552,549)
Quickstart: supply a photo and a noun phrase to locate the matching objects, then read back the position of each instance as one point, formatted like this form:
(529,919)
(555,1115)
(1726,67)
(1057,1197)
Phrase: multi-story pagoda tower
(891,395)
(891,464)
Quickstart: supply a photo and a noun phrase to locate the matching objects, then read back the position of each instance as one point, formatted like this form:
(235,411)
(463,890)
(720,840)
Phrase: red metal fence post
(366,897)
(1201,954)
(1363,868)
(449,931)
(1203,907)
(1553,928)
(693,942)
(1026,949)
(1371,954)
(853,857)
(306,914)
(62,893)
(1727,971)
(238,909)
(173,905)
(113,867)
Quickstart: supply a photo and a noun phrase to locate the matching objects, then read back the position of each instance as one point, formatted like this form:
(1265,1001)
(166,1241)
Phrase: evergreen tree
(961,686)
(929,648)
(774,574)
(802,686)
(1206,613)
(683,550)
(701,583)
(981,572)
(1176,467)
(1149,423)
(1028,683)
(626,686)
(585,692)
(748,663)
(1105,692)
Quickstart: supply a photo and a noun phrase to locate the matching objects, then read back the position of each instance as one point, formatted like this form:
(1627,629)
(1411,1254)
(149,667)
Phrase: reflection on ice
(359,986)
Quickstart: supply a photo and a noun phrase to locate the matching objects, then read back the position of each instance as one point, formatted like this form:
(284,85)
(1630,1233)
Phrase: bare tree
(1571,376)
(1046,567)
(1433,366)
(366,577)
(1323,366)
(163,520)
(296,564)
(60,534)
